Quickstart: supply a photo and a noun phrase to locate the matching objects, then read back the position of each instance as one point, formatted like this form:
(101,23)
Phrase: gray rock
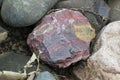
(104,64)
(1,2)
(11,61)
(20,13)
(101,8)
(95,6)
(15,61)
(84,4)
(115,10)
(45,76)
(96,24)
(3,34)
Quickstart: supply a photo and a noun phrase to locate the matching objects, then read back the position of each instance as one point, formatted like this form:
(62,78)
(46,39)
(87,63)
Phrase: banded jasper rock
(62,38)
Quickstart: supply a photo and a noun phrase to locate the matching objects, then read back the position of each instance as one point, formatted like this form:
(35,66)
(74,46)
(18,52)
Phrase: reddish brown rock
(62,38)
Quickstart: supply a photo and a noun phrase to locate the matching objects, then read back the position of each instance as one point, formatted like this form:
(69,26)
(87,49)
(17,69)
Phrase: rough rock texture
(115,10)
(97,11)
(96,23)
(3,34)
(104,64)
(11,61)
(12,64)
(45,76)
(101,8)
(96,6)
(62,38)
(20,13)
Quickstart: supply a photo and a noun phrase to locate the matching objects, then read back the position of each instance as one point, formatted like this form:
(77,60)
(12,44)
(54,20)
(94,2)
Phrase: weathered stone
(95,6)
(3,34)
(84,4)
(96,23)
(101,8)
(20,13)
(104,64)
(62,38)
(115,10)
(11,61)
(12,64)
(45,76)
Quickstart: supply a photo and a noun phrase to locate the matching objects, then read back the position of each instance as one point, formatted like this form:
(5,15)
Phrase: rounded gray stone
(21,13)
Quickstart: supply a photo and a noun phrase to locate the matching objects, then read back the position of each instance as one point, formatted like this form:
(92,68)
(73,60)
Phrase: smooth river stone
(22,13)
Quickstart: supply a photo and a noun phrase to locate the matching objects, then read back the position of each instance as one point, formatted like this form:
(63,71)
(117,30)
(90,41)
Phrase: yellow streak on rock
(84,32)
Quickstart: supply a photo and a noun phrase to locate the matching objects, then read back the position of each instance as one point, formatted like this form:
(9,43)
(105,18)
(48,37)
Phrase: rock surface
(12,64)
(95,6)
(14,61)
(1,1)
(104,64)
(21,13)
(45,76)
(62,38)
(97,11)
(11,61)
(85,4)
(115,10)
(3,34)
(96,23)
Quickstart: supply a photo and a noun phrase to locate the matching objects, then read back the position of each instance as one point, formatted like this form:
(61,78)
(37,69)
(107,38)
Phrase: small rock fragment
(62,38)
(21,13)
(3,34)
(104,64)
(45,76)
